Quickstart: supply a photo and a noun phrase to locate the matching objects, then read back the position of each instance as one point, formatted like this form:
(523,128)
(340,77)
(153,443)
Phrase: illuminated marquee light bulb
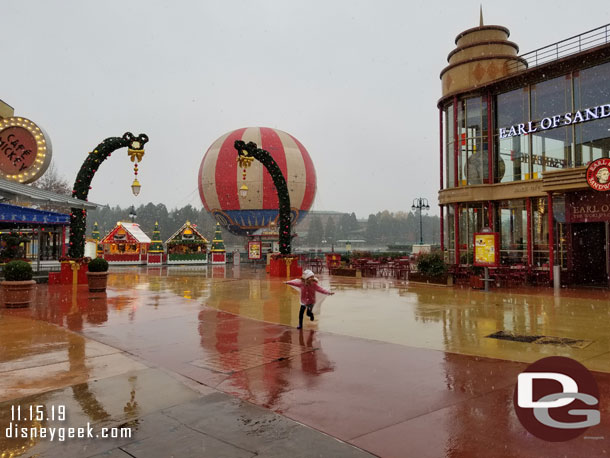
(39,161)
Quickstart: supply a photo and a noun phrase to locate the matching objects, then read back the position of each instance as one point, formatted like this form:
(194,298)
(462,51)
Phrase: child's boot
(310,312)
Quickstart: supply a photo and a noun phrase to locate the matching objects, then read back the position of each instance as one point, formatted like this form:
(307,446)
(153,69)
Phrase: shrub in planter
(10,246)
(97,275)
(18,284)
(466,257)
(432,264)
(18,271)
(98,265)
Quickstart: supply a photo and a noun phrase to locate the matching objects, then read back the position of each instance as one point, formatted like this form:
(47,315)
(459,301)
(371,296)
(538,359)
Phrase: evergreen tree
(156,245)
(315,234)
(330,230)
(372,229)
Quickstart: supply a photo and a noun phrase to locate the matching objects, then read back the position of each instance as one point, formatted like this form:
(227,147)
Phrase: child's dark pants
(302,311)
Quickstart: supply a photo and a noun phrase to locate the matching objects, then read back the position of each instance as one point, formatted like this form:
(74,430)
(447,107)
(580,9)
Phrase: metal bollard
(556,278)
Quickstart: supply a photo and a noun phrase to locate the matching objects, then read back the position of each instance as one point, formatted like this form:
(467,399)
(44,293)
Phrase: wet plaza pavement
(210,357)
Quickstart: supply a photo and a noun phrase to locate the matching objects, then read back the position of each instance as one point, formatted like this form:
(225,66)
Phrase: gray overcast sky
(355,81)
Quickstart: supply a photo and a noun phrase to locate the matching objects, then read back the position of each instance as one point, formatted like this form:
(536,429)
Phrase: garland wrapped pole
(82,185)
(245,154)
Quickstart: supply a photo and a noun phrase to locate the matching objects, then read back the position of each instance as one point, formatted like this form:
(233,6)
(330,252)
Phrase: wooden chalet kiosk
(125,244)
(187,246)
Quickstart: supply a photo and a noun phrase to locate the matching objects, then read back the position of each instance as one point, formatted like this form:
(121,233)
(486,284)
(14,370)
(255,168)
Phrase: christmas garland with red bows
(82,185)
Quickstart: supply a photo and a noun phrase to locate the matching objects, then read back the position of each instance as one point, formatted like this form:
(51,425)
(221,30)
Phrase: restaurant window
(472,141)
(473,218)
(540,232)
(592,138)
(552,148)
(512,153)
(449,153)
(512,222)
(450,232)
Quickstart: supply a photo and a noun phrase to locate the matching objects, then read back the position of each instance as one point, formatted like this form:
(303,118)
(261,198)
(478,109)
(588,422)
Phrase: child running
(308,285)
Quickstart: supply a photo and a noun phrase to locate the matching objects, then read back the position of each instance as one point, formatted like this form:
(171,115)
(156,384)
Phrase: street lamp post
(132,214)
(420,203)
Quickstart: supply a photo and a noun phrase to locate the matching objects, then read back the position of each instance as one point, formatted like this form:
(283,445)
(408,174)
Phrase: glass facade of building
(524,157)
(543,126)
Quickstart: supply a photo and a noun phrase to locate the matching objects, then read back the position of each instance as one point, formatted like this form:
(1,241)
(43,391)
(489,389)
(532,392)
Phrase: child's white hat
(307,274)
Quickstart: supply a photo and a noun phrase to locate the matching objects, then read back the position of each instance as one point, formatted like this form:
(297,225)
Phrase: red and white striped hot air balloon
(220,179)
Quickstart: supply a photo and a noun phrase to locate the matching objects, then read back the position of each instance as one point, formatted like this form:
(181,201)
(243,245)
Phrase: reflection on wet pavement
(368,370)
(449,319)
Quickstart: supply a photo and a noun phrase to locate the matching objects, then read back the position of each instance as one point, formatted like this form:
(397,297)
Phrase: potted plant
(431,268)
(97,275)
(18,285)
(475,279)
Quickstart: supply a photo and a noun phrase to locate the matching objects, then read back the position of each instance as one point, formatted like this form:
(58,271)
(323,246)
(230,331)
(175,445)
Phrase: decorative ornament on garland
(82,184)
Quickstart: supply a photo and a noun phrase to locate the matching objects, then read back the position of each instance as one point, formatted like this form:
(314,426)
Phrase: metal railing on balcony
(564,48)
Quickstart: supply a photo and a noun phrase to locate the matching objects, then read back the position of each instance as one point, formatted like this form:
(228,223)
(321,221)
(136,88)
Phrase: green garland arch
(82,185)
(280,185)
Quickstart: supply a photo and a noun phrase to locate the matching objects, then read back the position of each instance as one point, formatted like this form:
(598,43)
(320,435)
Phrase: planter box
(18,293)
(422,278)
(66,275)
(97,281)
(332,260)
(219,258)
(155,259)
(476,282)
(343,271)
(277,268)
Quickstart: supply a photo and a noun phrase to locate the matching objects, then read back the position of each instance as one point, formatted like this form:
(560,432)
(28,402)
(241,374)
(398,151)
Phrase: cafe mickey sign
(25,150)
(565,119)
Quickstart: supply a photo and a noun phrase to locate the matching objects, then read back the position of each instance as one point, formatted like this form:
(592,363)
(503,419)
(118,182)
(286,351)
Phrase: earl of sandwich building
(524,148)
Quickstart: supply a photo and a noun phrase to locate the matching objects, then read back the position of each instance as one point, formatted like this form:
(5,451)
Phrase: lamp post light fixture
(420,203)
(132,213)
(135,187)
(243,191)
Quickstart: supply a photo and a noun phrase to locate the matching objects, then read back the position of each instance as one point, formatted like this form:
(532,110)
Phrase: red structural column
(490,214)
(490,142)
(440,124)
(530,251)
(440,129)
(551,235)
(442,228)
(456,231)
(455,142)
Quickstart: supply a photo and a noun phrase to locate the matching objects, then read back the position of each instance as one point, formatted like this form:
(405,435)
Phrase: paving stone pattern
(249,357)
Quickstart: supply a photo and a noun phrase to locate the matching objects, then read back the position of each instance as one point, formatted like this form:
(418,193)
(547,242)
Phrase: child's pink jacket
(308,292)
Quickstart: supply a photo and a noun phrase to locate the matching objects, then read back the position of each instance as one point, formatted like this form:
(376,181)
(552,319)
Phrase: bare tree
(54,182)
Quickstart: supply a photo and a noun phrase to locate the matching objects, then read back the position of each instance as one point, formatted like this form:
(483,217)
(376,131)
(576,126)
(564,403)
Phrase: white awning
(22,193)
